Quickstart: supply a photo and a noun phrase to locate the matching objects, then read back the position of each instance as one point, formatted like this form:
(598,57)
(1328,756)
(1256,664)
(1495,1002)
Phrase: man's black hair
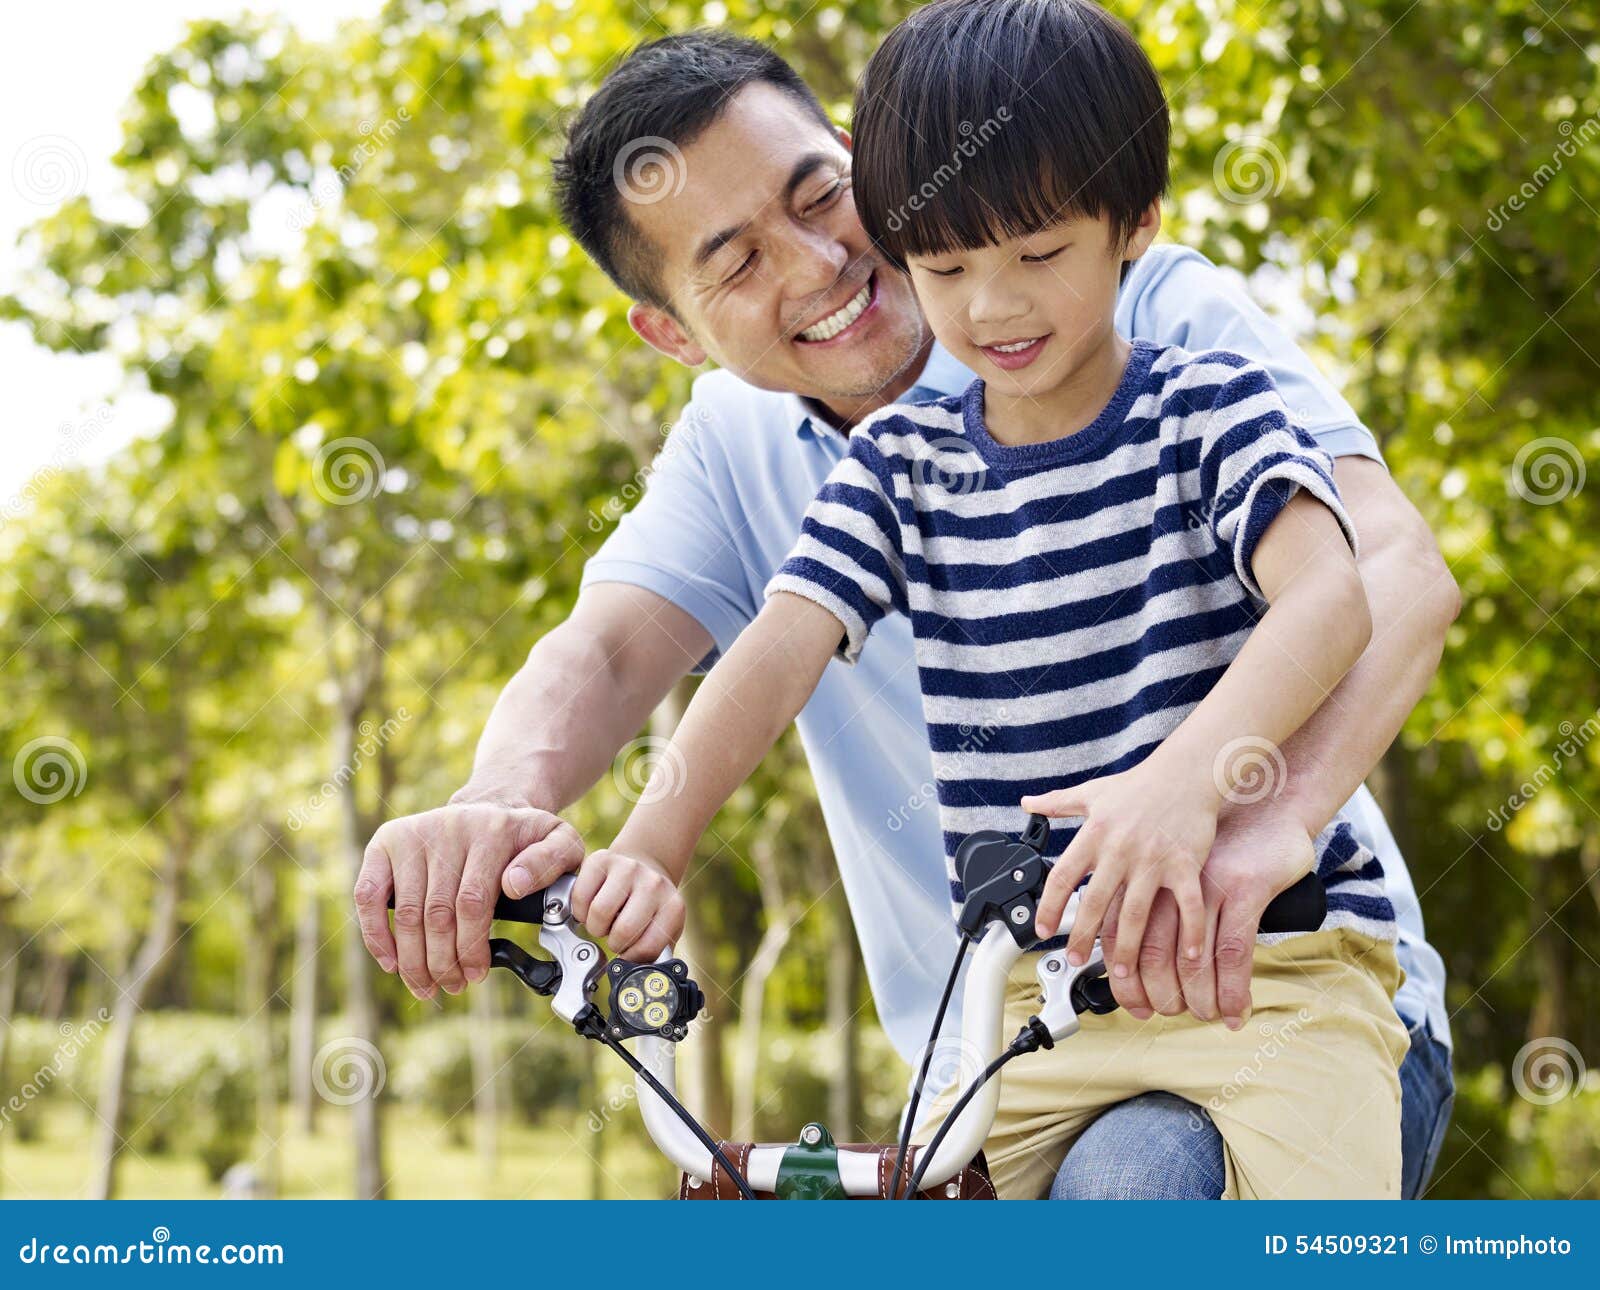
(982,120)
(664,91)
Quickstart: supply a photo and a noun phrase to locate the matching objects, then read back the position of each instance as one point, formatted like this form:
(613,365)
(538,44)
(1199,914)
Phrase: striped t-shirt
(1072,601)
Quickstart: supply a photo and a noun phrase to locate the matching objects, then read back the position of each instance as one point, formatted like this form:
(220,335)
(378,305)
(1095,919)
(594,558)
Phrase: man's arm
(1413,599)
(587,687)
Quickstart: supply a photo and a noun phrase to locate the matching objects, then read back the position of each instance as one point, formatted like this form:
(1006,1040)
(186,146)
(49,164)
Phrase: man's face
(768,268)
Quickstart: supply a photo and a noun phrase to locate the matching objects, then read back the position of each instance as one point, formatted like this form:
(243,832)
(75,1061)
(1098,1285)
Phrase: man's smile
(844,320)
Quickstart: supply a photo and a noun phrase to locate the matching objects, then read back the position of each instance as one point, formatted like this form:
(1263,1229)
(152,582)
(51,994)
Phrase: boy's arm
(1312,634)
(628,893)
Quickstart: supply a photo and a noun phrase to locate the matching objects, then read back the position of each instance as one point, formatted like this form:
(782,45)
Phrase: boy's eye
(943,273)
(1048,255)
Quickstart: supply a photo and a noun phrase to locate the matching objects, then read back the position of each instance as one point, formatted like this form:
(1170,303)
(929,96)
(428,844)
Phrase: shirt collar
(941,375)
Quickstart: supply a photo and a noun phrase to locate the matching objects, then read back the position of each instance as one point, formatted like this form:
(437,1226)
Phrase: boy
(1125,569)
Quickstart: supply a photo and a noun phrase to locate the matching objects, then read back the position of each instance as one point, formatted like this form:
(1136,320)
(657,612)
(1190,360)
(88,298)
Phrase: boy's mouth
(845,321)
(1009,355)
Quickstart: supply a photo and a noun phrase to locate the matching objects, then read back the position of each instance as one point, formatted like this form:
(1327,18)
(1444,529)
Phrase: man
(707,181)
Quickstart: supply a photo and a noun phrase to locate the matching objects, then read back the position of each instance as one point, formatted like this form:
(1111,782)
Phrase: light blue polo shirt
(722,510)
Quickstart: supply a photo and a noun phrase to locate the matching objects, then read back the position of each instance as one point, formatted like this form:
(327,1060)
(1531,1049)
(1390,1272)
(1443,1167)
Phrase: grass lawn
(424,1160)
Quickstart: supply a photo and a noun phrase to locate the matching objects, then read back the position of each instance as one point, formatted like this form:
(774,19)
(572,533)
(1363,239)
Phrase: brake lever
(578,960)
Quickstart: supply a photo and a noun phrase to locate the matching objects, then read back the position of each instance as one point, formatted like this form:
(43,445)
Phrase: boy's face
(1025,313)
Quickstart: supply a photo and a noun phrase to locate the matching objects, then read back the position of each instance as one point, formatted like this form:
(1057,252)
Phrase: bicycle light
(652,999)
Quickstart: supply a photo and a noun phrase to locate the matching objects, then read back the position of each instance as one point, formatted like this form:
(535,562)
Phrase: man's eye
(739,272)
(828,196)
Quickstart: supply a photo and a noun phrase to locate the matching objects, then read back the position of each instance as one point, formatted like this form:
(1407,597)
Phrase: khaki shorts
(1306,1095)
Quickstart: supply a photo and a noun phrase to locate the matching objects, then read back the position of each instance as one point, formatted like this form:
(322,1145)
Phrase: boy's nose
(991,306)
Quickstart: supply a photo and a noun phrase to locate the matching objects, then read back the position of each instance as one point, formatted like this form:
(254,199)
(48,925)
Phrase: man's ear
(1145,232)
(665,334)
(844,138)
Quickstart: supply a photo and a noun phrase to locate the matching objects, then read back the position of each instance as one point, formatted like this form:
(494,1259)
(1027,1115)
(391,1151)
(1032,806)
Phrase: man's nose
(811,261)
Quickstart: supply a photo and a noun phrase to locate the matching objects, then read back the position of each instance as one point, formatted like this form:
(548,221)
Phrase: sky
(66,69)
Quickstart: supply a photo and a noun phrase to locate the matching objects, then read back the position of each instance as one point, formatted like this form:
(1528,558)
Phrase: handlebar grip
(524,909)
(1300,908)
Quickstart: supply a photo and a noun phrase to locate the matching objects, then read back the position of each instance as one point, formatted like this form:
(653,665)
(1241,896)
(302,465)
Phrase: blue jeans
(1160,1147)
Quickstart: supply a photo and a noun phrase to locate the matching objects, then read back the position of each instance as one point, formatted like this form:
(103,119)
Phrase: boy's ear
(665,334)
(1145,232)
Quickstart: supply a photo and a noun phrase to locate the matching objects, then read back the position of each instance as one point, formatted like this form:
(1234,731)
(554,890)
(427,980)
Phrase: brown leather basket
(972,1183)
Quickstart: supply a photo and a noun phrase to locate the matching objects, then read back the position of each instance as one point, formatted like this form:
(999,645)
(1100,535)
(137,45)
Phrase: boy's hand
(1143,831)
(630,901)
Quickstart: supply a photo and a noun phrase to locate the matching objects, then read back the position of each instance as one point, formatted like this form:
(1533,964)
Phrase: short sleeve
(1175,296)
(677,542)
(849,558)
(1254,460)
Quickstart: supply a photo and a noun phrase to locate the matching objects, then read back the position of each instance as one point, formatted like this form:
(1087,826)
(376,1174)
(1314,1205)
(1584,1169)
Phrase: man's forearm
(1412,599)
(587,687)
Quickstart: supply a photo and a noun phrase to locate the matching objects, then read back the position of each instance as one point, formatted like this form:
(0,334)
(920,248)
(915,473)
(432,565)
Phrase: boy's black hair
(670,89)
(982,120)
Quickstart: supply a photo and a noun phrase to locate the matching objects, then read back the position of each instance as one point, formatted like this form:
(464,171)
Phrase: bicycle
(655,1003)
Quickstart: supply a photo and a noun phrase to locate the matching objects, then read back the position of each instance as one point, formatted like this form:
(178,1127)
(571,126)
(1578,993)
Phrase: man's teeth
(836,322)
(1015,347)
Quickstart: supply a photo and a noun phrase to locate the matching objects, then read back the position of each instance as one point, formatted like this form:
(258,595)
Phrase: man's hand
(445,869)
(1260,850)
(631,901)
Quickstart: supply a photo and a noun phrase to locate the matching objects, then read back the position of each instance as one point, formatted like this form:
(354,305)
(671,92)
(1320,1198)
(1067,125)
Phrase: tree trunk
(259,941)
(779,924)
(135,984)
(485,1080)
(1549,1014)
(361,1010)
(303,1007)
(844,989)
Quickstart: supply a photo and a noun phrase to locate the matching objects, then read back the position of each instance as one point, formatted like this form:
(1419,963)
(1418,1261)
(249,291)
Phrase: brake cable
(657,999)
(927,1061)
